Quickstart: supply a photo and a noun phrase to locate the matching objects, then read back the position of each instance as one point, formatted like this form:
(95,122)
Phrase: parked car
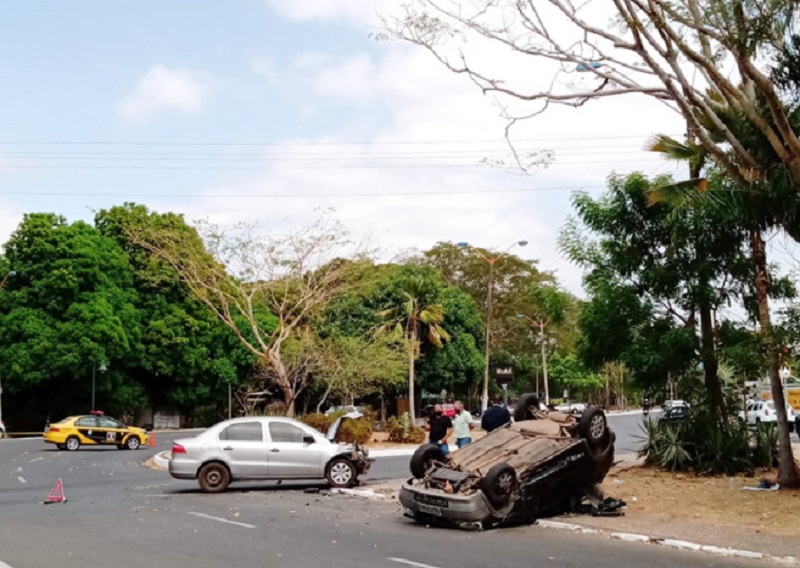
(670,404)
(544,462)
(572,407)
(267,448)
(94,429)
(675,414)
(759,411)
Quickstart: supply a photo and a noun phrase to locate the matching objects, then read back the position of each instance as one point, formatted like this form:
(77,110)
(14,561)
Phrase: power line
(300,195)
(302,167)
(310,143)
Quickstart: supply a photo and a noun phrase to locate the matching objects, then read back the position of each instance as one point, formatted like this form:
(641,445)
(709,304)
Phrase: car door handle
(274,450)
(228,449)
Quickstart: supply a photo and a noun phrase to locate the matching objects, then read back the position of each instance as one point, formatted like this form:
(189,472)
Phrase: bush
(318,421)
(707,445)
(351,431)
(404,431)
(356,431)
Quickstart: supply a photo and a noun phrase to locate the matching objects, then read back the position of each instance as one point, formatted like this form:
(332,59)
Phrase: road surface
(121,513)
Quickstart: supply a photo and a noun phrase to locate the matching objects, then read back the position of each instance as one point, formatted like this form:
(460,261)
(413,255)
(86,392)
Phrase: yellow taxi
(94,429)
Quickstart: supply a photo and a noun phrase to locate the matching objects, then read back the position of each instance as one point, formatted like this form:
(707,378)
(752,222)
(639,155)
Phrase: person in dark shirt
(495,416)
(440,428)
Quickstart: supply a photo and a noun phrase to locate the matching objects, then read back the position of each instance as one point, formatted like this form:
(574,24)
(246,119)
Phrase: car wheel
(122,447)
(72,443)
(61,446)
(527,404)
(341,473)
(214,478)
(133,443)
(498,485)
(593,427)
(423,458)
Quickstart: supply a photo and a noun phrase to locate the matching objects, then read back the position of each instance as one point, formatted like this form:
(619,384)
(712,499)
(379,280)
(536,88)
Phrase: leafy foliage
(404,431)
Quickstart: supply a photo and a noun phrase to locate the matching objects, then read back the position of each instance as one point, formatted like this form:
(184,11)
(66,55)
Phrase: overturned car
(543,463)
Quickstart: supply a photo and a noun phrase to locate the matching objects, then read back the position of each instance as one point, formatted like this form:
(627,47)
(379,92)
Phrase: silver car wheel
(72,444)
(504,483)
(341,473)
(133,443)
(598,427)
(214,478)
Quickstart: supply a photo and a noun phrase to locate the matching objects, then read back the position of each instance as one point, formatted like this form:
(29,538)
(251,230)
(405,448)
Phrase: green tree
(71,305)
(189,357)
(416,316)
(683,269)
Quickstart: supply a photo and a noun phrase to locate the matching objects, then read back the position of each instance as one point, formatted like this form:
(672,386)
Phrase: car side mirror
(308,439)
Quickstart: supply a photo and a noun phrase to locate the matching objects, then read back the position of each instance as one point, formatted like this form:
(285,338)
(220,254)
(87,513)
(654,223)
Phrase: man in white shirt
(462,425)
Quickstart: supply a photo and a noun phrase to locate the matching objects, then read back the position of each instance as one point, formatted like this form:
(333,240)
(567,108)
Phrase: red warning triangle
(57,494)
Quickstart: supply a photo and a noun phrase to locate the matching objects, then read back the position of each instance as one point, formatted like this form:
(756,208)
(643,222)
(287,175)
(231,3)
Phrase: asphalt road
(120,512)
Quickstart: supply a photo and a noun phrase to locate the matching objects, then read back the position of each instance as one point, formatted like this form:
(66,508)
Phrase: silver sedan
(267,448)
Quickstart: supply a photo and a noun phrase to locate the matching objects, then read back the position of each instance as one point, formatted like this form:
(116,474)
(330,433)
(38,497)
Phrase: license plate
(429,509)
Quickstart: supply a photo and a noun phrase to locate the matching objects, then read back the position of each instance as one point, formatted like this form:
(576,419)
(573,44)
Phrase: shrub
(707,445)
(404,431)
(356,431)
(350,432)
(318,421)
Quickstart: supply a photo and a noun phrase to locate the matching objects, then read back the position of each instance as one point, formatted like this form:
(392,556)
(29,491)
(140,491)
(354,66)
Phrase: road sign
(504,375)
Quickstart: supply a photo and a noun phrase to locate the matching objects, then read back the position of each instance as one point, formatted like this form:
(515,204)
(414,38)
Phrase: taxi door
(110,431)
(89,427)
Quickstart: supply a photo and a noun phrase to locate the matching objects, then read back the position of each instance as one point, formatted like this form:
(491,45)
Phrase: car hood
(331,435)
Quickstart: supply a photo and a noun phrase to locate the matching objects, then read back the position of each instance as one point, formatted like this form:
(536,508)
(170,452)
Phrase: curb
(671,543)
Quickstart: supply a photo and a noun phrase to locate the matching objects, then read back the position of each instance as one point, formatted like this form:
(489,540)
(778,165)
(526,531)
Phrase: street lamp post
(10,274)
(491,261)
(95,368)
(541,325)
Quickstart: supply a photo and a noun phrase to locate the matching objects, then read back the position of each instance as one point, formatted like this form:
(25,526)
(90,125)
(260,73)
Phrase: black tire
(122,447)
(499,484)
(61,446)
(522,411)
(214,477)
(341,473)
(423,458)
(133,442)
(593,427)
(72,443)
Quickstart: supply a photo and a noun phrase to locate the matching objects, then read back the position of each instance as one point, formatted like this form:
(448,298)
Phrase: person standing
(439,428)
(462,425)
(496,416)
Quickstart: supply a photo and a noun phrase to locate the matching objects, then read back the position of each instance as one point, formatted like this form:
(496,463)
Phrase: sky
(270,110)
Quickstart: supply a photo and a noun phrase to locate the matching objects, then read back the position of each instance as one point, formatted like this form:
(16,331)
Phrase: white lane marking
(4,565)
(21,480)
(411,563)
(40,458)
(221,520)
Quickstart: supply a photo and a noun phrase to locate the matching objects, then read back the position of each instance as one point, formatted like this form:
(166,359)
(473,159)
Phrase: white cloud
(402,94)
(10,218)
(162,89)
(358,11)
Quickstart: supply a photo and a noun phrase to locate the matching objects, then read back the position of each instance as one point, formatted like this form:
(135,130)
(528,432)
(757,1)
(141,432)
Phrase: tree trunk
(411,352)
(708,355)
(787,471)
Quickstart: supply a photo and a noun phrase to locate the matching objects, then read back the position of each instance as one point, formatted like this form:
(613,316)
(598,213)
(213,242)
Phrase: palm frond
(673,149)
(437,335)
(432,314)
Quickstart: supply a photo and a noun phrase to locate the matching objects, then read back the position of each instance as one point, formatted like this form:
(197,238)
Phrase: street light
(10,274)
(541,325)
(491,260)
(102,369)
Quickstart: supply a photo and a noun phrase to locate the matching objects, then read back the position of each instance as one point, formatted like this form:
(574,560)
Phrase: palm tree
(412,316)
(764,205)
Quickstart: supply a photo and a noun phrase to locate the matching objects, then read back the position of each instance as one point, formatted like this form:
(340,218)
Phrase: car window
(750,407)
(283,432)
(106,422)
(243,432)
(87,421)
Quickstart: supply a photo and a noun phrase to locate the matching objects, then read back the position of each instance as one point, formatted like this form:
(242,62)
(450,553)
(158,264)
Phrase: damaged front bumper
(470,511)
